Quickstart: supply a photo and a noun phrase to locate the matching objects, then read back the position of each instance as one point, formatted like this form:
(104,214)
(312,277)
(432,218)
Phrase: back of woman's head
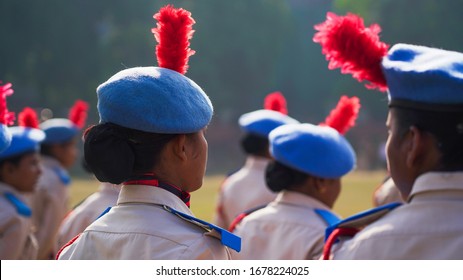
(143,108)
(279,177)
(114,153)
(254,144)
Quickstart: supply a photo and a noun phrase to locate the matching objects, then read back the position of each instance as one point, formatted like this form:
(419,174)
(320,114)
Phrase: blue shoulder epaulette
(63,175)
(327,216)
(20,206)
(362,219)
(227,238)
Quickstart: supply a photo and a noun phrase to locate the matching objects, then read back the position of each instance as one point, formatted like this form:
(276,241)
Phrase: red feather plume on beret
(6,117)
(173,32)
(356,49)
(78,113)
(28,118)
(343,117)
(275,101)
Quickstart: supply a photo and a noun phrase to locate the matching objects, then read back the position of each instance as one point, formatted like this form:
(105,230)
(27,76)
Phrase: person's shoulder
(7,211)
(12,204)
(364,226)
(207,230)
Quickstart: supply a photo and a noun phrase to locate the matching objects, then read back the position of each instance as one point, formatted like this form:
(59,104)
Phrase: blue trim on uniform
(63,175)
(388,207)
(327,216)
(104,212)
(227,238)
(20,206)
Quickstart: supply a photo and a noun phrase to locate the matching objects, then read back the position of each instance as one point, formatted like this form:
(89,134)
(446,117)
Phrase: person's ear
(319,185)
(415,145)
(178,146)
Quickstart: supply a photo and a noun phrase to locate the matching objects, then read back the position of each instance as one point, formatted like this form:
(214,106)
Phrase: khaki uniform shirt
(49,206)
(242,191)
(87,212)
(17,240)
(140,228)
(429,226)
(287,229)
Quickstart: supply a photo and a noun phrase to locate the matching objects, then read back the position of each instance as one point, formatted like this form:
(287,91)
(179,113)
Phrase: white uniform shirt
(87,212)
(242,191)
(49,206)
(17,240)
(287,229)
(140,228)
(429,226)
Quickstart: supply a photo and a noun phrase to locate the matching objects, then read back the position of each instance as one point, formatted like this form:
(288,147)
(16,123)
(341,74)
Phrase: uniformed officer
(309,163)
(246,188)
(151,138)
(19,173)
(50,201)
(424,147)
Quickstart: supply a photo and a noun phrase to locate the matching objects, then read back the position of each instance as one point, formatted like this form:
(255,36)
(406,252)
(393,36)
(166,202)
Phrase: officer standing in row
(19,173)
(151,138)
(246,189)
(424,146)
(309,162)
(50,201)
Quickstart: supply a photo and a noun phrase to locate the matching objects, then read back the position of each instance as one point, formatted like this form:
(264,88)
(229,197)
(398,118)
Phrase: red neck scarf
(149,179)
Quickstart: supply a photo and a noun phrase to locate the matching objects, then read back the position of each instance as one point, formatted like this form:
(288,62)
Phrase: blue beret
(423,75)
(5,137)
(261,122)
(58,130)
(316,150)
(24,139)
(154,99)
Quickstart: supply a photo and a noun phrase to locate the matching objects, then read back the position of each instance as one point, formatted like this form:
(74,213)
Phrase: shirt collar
(151,195)
(254,162)
(7,188)
(300,200)
(437,181)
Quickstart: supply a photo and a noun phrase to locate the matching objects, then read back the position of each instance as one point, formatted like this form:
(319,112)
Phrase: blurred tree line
(55,52)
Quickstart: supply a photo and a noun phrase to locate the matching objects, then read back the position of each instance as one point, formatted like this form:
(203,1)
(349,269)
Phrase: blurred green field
(356,194)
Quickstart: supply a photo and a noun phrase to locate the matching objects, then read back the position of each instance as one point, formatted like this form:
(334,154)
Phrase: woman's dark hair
(114,153)
(446,127)
(279,177)
(256,145)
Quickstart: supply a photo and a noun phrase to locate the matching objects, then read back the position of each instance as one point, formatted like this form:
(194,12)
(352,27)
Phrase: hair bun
(114,167)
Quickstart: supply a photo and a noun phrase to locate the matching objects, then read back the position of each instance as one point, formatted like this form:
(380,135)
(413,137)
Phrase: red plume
(28,118)
(343,117)
(349,45)
(173,32)
(78,113)
(6,117)
(275,101)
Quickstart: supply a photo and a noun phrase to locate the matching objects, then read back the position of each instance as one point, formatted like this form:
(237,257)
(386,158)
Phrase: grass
(356,194)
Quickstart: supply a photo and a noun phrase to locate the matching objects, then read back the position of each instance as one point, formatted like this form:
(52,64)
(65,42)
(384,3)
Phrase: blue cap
(261,122)
(24,139)
(5,137)
(423,77)
(154,99)
(58,130)
(316,150)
